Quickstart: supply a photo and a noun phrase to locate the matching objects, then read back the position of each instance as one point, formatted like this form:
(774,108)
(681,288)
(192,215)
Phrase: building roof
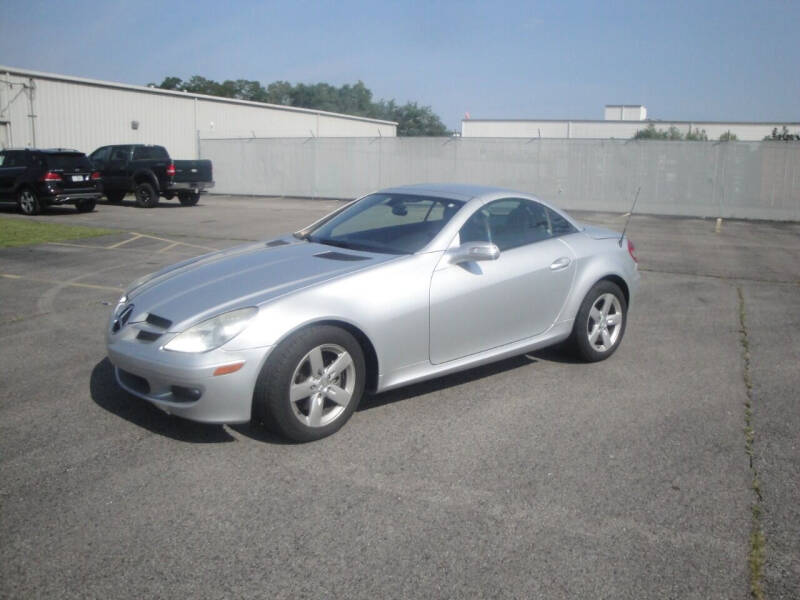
(154,90)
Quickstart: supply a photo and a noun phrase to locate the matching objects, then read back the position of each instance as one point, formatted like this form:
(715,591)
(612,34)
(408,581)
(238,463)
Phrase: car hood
(250,275)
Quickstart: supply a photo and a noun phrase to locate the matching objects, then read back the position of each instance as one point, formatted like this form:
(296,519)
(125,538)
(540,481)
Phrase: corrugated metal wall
(738,179)
(77,114)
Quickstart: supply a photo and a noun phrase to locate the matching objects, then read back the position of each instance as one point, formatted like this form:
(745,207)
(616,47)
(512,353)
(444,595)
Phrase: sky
(697,60)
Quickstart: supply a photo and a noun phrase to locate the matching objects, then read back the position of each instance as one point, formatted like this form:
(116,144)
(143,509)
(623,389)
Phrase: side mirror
(474,251)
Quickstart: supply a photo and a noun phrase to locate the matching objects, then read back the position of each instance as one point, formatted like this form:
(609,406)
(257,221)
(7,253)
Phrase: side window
(100,155)
(149,152)
(2,159)
(120,153)
(559,224)
(11,159)
(513,222)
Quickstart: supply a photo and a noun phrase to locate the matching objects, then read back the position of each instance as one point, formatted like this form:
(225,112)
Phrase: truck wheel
(28,202)
(85,205)
(146,195)
(189,199)
(115,197)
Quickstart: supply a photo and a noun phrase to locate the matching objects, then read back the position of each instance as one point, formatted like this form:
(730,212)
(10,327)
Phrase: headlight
(212,333)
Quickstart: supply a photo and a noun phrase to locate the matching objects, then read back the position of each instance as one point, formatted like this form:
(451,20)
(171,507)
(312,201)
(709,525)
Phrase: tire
(189,199)
(291,396)
(115,197)
(600,323)
(146,195)
(28,202)
(83,206)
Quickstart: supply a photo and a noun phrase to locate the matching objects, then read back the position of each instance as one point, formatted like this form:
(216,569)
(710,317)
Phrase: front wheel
(28,202)
(189,199)
(600,323)
(115,197)
(311,384)
(146,195)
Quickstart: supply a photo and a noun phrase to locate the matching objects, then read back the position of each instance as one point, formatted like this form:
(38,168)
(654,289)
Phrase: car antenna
(630,214)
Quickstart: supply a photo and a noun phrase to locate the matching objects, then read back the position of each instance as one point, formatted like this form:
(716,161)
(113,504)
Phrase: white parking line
(67,283)
(136,236)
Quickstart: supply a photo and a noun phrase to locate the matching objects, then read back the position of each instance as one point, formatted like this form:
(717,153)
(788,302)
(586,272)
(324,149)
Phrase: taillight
(95,176)
(50,176)
(632,251)
(170,170)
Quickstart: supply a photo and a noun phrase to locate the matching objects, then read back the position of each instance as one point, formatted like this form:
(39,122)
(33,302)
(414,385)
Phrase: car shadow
(441,383)
(131,203)
(107,394)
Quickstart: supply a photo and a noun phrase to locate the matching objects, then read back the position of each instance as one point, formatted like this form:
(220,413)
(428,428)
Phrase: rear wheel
(115,197)
(85,205)
(28,202)
(311,384)
(600,323)
(146,195)
(189,199)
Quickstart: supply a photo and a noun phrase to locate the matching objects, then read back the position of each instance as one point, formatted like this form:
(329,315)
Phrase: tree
(356,99)
(728,137)
(698,135)
(673,133)
(782,136)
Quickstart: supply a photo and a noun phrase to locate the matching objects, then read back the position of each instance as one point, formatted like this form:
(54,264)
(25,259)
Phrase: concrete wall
(621,130)
(85,114)
(738,179)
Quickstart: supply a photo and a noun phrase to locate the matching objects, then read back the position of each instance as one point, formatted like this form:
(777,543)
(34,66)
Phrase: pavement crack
(757,551)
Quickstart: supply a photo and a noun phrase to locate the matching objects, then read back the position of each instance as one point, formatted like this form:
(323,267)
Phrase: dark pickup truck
(149,172)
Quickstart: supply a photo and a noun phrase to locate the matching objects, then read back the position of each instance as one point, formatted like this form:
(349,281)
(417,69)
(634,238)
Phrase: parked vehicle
(34,179)
(149,172)
(405,284)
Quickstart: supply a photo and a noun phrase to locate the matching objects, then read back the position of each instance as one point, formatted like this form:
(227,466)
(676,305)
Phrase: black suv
(38,178)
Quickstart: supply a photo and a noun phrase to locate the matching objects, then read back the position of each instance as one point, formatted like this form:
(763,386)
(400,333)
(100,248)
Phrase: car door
(116,176)
(477,306)
(11,167)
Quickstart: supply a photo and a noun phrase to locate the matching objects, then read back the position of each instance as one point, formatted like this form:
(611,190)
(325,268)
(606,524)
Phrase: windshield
(388,223)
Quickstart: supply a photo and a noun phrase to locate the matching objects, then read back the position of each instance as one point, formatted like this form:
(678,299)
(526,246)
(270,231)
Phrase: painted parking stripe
(90,286)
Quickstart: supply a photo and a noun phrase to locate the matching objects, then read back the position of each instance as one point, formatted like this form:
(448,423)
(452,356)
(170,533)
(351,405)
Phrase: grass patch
(18,232)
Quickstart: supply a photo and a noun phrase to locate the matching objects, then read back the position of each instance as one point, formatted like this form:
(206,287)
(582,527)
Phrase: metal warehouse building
(621,122)
(56,111)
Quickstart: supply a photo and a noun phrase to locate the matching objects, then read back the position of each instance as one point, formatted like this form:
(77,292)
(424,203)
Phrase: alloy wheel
(322,385)
(605,322)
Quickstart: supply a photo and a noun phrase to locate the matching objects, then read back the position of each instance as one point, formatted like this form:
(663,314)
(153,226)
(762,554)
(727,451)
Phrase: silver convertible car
(402,285)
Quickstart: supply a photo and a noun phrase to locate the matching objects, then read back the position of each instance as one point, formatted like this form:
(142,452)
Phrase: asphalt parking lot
(536,477)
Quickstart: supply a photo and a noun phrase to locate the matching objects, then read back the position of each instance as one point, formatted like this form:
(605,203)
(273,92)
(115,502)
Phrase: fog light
(185,394)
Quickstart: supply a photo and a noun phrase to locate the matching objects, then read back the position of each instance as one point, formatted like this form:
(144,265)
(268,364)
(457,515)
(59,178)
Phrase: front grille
(120,321)
(136,383)
(157,321)
(147,336)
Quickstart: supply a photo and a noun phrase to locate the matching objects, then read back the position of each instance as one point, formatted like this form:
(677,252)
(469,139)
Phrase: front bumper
(162,378)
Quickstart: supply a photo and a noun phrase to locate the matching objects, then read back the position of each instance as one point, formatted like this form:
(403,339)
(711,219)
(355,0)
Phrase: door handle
(560,263)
